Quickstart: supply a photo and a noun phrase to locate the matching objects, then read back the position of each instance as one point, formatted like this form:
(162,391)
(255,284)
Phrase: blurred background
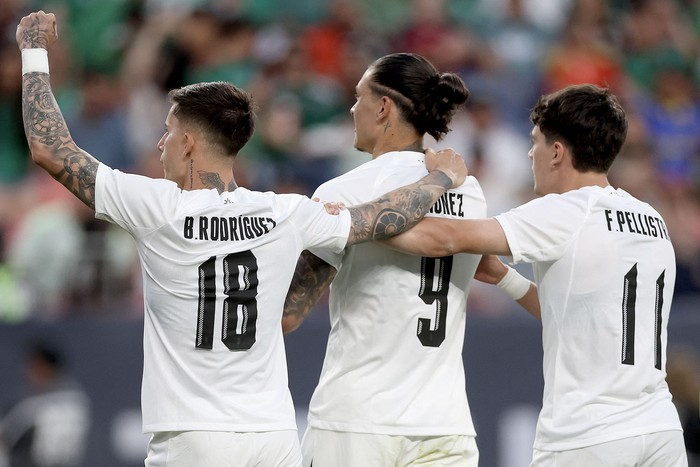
(70,297)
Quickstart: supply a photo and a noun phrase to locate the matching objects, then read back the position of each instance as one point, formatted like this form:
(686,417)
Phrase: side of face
(173,150)
(364,114)
(541,154)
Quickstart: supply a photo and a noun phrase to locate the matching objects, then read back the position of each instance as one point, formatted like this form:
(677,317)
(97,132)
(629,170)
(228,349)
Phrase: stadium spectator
(49,427)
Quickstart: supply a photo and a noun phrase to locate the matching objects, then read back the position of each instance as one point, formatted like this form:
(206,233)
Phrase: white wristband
(35,61)
(514,284)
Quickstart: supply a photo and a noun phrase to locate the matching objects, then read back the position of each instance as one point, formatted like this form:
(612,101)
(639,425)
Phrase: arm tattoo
(50,142)
(398,210)
(311,279)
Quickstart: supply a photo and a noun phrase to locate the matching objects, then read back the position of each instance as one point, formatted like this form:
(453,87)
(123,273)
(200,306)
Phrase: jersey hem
(157,427)
(584,443)
(391,430)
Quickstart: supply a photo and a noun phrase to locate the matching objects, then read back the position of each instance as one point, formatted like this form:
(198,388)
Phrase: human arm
(50,142)
(311,279)
(491,270)
(399,210)
(436,237)
(379,218)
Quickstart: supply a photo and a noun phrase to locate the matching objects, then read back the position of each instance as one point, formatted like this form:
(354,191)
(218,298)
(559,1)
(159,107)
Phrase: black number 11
(629,301)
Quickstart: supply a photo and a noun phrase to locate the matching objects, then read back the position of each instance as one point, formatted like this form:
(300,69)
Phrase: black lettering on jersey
(628,217)
(608,218)
(641,225)
(189,227)
(233,223)
(450,204)
(620,220)
(214,228)
(203,226)
(651,228)
(636,223)
(662,227)
(224,229)
(257,228)
(246,227)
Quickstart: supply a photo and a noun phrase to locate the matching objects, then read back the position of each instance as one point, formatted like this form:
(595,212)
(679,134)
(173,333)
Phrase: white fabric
(35,60)
(180,233)
(377,376)
(224,449)
(665,448)
(583,245)
(325,448)
(514,284)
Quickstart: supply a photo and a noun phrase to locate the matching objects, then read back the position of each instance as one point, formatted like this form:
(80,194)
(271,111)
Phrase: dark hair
(588,119)
(426,98)
(224,112)
(47,353)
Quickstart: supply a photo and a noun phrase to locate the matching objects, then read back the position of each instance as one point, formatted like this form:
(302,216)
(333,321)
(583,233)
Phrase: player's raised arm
(50,142)
(402,208)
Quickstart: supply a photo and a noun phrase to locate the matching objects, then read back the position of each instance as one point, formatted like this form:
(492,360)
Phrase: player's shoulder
(269,198)
(471,185)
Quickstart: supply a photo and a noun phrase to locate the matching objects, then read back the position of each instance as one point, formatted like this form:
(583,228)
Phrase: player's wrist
(514,284)
(35,60)
(444,178)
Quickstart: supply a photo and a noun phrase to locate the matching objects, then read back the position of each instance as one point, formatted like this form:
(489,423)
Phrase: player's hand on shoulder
(449,162)
(37,30)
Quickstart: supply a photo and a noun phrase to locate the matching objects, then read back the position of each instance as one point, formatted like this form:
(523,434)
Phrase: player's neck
(403,144)
(211,176)
(585,179)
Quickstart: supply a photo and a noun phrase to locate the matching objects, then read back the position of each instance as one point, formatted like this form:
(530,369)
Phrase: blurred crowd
(116,60)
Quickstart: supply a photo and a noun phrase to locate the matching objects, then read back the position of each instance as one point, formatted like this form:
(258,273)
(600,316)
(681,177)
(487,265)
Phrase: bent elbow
(289,324)
(40,155)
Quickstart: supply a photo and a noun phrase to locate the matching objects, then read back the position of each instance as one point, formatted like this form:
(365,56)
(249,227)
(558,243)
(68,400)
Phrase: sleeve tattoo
(50,141)
(398,210)
(312,277)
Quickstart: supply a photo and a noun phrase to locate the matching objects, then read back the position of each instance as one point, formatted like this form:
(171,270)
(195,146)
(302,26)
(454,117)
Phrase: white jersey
(605,270)
(216,270)
(394,364)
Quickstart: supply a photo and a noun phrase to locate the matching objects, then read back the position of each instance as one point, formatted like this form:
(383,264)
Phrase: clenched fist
(37,30)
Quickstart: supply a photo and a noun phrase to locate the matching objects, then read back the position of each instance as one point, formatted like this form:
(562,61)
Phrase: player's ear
(559,152)
(384,107)
(190,141)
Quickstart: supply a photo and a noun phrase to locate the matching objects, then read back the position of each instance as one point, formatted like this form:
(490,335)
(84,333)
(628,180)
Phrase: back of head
(587,119)
(426,98)
(222,111)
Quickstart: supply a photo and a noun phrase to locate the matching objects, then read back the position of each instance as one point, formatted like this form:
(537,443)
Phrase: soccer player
(392,388)
(216,259)
(605,270)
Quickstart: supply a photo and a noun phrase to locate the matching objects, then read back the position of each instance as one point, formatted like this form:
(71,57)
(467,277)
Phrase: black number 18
(241,288)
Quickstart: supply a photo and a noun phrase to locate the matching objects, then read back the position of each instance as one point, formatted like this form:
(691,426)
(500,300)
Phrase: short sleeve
(321,231)
(136,203)
(543,229)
